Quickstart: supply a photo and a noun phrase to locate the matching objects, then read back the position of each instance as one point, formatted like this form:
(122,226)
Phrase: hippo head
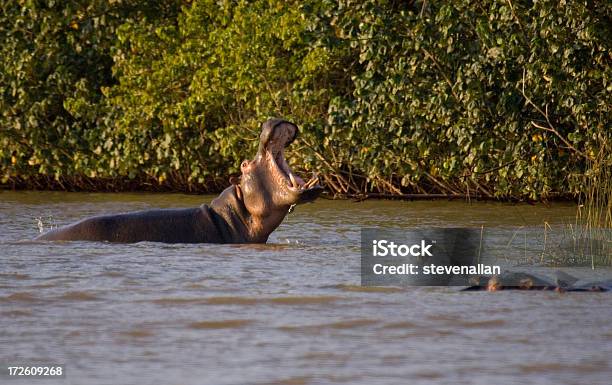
(267,185)
(259,200)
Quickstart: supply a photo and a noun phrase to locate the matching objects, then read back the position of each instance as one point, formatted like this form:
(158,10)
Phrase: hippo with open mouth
(246,212)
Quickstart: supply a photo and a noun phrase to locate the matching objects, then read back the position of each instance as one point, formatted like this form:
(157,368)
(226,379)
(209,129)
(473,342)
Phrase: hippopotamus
(523,281)
(247,211)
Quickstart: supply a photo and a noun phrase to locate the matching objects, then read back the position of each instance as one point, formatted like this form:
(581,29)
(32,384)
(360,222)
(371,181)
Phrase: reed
(588,240)
(592,231)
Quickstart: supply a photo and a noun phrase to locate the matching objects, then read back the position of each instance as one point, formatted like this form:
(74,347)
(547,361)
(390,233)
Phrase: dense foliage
(497,98)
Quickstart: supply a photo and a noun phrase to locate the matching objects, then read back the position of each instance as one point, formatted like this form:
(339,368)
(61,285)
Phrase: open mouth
(280,169)
(292,181)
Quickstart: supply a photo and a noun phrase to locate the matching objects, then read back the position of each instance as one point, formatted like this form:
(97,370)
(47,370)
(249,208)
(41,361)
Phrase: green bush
(496,98)
(54,60)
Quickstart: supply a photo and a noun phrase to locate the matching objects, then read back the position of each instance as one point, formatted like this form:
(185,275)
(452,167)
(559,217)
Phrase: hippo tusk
(238,192)
(293,181)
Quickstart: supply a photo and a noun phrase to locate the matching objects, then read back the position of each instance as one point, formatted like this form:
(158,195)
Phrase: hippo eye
(244,164)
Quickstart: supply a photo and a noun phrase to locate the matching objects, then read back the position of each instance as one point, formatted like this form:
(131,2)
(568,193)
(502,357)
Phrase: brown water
(289,312)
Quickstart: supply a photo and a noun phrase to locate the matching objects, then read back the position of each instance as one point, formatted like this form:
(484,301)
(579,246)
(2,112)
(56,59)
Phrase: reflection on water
(290,312)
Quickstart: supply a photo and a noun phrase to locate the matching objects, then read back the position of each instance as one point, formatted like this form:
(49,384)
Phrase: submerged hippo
(523,281)
(246,212)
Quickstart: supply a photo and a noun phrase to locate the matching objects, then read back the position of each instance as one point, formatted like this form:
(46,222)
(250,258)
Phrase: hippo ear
(235,180)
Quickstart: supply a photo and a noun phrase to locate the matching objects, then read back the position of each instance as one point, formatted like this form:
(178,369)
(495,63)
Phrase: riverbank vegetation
(592,232)
(498,99)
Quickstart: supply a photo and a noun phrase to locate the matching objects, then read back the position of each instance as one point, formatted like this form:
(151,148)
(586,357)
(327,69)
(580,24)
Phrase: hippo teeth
(293,181)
